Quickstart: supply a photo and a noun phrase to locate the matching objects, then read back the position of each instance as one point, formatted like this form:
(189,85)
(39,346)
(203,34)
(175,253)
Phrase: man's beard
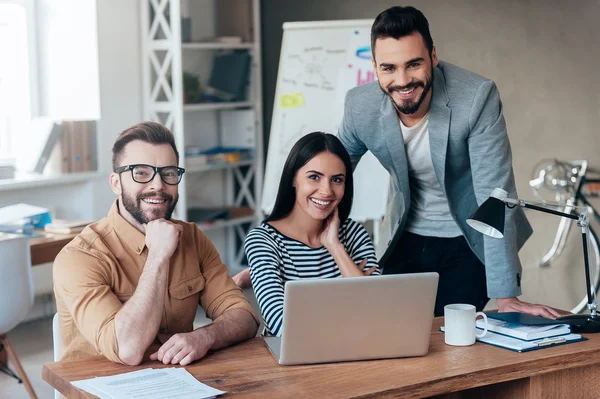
(410,107)
(134,206)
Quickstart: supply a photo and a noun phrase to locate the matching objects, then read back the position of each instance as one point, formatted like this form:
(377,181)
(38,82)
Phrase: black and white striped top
(275,259)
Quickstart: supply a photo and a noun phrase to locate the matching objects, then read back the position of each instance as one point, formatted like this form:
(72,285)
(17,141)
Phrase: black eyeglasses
(141,173)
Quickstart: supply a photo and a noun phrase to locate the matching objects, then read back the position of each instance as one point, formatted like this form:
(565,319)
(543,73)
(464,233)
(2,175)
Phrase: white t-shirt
(429,214)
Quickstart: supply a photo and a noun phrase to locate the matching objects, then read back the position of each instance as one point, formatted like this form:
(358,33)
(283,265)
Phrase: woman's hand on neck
(300,226)
(330,234)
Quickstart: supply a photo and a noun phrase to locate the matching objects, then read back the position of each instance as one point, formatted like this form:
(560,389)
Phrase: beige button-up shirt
(97,272)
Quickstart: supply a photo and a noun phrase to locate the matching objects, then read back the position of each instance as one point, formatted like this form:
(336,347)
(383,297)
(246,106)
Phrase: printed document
(163,383)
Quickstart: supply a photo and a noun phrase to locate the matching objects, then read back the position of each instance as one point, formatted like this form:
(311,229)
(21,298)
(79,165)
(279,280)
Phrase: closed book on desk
(524,332)
(523,318)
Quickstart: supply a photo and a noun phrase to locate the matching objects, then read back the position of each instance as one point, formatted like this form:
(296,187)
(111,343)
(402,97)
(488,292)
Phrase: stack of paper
(149,384)
(60,226)
(23,218)
(519,345)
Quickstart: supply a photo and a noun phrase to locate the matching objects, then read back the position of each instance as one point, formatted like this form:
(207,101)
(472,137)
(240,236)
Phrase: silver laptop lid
(357,318)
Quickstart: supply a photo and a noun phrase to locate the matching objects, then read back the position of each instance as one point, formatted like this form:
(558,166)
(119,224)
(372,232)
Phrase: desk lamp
(488,219)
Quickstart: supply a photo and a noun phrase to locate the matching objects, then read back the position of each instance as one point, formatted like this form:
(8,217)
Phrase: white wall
(68,59)
(119,58)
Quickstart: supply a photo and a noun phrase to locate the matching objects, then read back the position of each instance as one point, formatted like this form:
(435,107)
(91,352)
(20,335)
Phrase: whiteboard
(319,62)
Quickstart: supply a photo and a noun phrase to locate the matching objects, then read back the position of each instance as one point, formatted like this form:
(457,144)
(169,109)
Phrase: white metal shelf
(219,224)
(163,56)
(205,168)
(216,46)
(217,106)
(24,181)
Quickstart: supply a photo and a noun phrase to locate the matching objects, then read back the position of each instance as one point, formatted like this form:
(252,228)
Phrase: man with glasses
(130,284)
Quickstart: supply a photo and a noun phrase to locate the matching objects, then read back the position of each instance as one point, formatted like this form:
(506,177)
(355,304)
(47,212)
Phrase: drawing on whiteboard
(363,52)
(311,63)
(295,100)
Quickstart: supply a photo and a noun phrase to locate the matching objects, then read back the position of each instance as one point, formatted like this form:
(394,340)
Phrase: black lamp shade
(489,218)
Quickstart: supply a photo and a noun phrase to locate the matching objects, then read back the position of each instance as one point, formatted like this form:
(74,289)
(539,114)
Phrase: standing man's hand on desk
(515,305)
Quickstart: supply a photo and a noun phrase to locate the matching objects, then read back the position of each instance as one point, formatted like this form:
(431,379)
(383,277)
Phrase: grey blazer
(471,156)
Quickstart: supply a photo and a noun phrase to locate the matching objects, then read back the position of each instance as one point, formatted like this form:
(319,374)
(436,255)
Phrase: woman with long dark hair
(308,234)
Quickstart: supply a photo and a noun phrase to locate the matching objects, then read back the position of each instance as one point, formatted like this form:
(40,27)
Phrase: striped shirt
(275,259)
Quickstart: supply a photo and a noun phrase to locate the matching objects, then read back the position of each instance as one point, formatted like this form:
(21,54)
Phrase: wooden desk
(480,371)
(45,249)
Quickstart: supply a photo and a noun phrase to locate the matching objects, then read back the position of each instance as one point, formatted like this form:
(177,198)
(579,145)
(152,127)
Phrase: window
(18,80)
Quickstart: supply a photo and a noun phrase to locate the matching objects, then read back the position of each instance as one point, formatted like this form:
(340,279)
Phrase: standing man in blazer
(440,133)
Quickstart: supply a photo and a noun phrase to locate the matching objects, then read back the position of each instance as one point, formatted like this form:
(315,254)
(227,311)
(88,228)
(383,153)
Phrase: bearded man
(440,132)
(128,287)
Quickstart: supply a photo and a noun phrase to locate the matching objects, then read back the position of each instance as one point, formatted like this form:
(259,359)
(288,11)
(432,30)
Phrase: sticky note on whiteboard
(295,100)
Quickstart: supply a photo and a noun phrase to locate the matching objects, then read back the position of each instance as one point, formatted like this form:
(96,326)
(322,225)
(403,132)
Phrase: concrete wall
(543,56)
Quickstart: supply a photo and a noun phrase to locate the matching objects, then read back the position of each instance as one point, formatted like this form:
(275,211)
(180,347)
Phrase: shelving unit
(217,106)
(208,124)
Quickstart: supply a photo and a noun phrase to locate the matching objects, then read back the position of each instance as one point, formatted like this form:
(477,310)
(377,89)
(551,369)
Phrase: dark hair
(397,22)
(149,132)
(303,151)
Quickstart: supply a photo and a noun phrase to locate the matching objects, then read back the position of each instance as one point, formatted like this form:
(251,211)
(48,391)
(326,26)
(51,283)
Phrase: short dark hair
(397,22)
(149,132)
(303,151)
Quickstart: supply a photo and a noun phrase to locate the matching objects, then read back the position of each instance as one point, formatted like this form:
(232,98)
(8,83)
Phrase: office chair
(16,297)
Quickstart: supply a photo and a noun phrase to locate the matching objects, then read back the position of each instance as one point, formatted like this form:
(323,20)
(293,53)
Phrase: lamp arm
(543,203)
(590,292)
(525,204)
(583,223)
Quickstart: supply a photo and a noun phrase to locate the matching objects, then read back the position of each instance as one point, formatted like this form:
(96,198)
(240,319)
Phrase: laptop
(355,318)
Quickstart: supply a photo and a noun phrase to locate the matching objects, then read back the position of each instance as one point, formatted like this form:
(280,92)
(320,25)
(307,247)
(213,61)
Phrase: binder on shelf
(76,142)
(65,151)
(230,73)
(78,146)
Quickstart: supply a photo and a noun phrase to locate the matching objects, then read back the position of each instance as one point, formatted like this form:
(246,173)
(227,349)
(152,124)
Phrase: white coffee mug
(459,324)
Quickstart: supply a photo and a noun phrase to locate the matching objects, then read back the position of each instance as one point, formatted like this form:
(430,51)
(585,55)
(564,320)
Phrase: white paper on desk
(92,385)
(16,212)
(149,383)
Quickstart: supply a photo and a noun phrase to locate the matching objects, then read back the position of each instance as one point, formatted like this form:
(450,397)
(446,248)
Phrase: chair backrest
(16,284)
(56,345)
(56,337)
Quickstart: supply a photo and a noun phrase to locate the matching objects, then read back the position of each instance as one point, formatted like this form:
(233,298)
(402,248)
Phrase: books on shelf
(216,156)
(522,331)
(208,218)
